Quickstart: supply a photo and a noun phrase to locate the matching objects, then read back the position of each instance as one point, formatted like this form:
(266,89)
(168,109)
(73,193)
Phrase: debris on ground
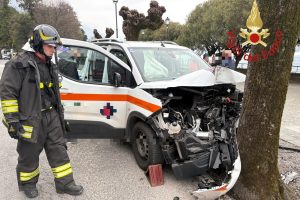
(288,177)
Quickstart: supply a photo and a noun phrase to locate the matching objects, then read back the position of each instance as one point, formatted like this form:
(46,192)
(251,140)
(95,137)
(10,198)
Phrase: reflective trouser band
(26,176)
(28,132)
(62,170)
(9,106)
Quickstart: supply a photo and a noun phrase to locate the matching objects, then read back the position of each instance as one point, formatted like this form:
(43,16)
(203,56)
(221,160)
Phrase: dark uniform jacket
(20,92)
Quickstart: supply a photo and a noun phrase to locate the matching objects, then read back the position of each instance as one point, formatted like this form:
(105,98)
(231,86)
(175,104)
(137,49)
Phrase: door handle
(65,91)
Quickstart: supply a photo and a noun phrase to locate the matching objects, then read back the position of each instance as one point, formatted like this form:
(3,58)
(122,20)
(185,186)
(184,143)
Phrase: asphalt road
(107,169)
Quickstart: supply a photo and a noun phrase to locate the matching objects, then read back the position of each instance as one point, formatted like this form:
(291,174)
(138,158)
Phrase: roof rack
(106,40)
(169,42)
(164,42)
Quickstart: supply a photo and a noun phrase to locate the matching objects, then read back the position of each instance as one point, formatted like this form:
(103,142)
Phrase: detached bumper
(215,192)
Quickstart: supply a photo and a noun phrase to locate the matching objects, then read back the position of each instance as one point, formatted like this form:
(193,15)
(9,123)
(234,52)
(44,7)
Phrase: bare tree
(134,21)
(61,16)
(29,5)
(265,94)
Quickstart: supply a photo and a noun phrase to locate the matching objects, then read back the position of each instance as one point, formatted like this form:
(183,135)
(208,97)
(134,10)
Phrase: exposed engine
(197,127)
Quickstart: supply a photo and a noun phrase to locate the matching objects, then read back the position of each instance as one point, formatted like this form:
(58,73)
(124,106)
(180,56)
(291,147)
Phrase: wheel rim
(142,145)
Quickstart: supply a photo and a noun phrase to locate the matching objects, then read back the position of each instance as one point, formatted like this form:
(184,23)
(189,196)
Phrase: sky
(100,14)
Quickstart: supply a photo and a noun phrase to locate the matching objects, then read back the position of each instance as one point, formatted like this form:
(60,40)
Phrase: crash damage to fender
(197,130)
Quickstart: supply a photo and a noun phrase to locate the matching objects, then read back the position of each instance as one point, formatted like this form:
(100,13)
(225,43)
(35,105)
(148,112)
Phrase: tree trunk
(264,98)
(132,34)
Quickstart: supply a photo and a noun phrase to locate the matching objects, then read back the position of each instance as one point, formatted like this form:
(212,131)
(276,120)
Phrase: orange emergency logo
(254,23)
(254,37)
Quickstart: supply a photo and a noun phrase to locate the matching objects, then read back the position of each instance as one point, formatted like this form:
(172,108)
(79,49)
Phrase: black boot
(71,189)
(30,191)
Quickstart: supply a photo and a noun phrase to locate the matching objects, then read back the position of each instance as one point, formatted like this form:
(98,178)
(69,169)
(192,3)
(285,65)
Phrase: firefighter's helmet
(44,34)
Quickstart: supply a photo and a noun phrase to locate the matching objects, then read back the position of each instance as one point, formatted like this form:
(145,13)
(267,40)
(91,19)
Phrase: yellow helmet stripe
(44,37)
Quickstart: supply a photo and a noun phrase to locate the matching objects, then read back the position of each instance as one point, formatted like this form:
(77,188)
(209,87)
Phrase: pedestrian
(206,57)
(33,113)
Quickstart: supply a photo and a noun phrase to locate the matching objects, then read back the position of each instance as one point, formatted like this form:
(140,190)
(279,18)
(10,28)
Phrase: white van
(164,99)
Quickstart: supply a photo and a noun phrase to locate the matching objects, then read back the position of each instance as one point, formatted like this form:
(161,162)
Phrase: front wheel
(145,146)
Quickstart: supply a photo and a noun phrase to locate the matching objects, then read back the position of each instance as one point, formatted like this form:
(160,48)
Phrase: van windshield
(157,64)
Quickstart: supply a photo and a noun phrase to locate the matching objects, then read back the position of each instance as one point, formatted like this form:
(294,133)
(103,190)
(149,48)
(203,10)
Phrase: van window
(87,65)
(121,55)
(158,64)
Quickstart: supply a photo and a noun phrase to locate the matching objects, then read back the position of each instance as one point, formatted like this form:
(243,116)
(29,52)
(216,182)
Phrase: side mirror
(117,79)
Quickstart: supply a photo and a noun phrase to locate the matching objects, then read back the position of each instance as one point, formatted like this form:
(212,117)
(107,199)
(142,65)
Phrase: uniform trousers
(51,138)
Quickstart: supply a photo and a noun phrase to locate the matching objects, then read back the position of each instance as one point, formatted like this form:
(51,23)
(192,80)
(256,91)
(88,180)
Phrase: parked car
(164,99)
(5,54)
(296,61)
(243,64)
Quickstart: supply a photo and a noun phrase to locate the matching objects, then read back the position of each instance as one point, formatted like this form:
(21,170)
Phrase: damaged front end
(197,131)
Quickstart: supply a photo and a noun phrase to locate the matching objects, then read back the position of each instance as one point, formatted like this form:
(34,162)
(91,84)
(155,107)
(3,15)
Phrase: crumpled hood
(200,78)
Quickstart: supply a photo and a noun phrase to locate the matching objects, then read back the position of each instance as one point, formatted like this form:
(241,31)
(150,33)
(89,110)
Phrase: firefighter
(33,113)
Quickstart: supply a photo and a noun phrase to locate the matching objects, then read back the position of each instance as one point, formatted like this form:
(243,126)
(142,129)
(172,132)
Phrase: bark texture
(264,98)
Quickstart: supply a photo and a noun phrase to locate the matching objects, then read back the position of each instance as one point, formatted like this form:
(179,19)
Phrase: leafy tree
(3,3)
(7,13)
(134,21)
(20,29)
(15,28)
(61,16)
(208,24)
(19,25)
(265,93)
(163,33)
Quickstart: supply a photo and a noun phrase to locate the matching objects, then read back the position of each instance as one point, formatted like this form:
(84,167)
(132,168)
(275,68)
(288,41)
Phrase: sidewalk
(290,124)
(291,134)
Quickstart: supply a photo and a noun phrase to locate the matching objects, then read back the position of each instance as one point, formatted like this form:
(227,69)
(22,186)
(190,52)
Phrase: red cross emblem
(108,111)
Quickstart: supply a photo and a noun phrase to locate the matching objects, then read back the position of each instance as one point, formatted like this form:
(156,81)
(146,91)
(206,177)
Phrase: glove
(15,129)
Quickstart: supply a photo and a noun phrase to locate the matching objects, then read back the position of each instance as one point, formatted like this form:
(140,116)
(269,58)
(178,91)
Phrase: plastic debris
(288,177)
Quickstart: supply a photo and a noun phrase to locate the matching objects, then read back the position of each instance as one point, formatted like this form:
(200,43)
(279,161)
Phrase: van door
(94,107)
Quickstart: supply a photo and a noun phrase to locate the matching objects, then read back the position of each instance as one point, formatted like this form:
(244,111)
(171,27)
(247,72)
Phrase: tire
(145,147)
